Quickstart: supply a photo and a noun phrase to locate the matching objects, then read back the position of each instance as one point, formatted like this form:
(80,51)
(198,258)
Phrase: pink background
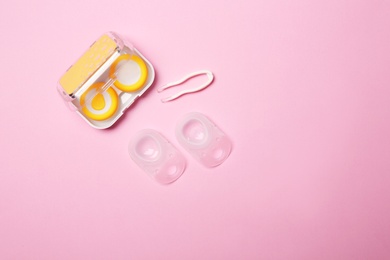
(302,88)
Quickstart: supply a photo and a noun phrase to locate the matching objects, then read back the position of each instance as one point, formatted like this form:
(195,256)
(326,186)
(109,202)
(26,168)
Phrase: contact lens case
(106,80)
(154,154)
(203,139)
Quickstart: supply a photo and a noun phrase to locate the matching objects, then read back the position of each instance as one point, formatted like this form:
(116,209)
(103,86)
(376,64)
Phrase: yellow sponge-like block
(92,59)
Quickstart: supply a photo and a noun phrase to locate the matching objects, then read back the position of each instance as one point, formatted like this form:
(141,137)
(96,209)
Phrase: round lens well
(129,72)
(147,148)
(194,132)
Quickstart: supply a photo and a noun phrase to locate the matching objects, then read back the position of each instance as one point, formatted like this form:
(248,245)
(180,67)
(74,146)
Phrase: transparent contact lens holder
(154,154)
(203,139)
(106,80)
(164,163)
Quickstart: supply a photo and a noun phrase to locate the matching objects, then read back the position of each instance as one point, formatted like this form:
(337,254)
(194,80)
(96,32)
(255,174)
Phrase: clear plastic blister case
(106,80)
(203,139)
(153,153)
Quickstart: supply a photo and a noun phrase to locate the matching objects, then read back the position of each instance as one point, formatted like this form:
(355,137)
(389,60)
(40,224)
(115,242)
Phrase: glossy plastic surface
(154,154)
(203,139)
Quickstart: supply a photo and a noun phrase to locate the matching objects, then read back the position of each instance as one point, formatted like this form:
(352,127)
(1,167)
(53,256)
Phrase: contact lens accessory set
(106,80)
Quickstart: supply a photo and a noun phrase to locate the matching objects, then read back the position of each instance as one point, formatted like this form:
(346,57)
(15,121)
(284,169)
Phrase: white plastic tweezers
(183,92)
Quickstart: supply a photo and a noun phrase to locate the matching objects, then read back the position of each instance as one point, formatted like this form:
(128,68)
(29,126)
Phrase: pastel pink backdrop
(302,88)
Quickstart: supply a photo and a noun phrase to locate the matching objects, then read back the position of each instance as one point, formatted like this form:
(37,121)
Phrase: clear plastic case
(203,139)
(106,80)
(153,153)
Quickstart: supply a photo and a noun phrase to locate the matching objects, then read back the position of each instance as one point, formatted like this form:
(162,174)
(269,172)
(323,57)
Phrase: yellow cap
(99,102)
(142,79)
